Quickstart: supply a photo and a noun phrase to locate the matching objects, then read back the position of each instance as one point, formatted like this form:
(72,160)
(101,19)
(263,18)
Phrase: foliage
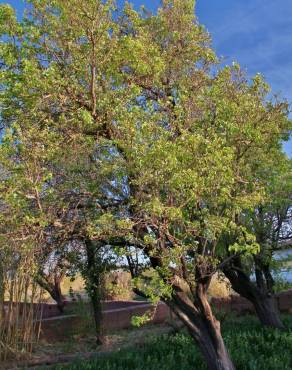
(138,321)
(120,130)
(118,286)
(219,286)
(269,223)
(281,284)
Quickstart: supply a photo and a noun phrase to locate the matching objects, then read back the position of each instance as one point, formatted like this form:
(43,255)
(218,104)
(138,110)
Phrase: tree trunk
(263,301)
(189,302)
(267,311)
(53,288)
(207,335)
(197,316)
(94,287)
(97,314)
(56,294)
(2,293)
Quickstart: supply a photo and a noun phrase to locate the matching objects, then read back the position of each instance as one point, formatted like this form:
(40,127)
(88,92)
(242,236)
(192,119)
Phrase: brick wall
(118,314)
(121,318)
(241,305)
(113,318)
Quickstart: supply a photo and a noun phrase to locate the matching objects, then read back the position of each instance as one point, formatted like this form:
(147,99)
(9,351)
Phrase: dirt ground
(83,345)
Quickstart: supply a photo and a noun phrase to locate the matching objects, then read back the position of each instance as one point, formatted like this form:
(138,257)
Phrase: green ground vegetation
(252,347)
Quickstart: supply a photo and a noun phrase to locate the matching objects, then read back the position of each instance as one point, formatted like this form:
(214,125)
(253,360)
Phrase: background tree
(51,271)
(270,222)
(48,112)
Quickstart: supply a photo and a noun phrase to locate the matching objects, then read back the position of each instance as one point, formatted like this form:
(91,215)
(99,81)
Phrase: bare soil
(83,345)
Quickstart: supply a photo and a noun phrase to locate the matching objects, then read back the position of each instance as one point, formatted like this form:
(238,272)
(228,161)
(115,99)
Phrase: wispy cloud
(258,34)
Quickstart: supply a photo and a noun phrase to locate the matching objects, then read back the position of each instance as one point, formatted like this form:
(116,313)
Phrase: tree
(51,270)
(193,162)
(137,143)
(51,124)
(270,223)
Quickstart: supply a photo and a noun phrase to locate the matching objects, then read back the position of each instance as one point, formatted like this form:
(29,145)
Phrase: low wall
(44,310)
(113,319)
(121,318)
(241,305)
(118,314)
(49,310)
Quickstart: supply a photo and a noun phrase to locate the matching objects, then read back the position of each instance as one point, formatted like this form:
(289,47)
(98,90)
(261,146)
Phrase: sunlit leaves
(115,125)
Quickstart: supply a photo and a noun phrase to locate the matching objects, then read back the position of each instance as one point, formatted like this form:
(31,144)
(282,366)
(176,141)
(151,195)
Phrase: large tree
(119,131)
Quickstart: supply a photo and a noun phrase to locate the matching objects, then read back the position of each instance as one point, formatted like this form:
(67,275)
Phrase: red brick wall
(51,310)
(118,315)
(241,305)
(41,309)
(121,318)
(118,318)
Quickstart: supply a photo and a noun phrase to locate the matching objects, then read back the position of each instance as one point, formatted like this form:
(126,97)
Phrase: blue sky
(256,33)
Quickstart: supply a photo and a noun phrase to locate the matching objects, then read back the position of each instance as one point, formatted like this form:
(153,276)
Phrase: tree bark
(2,293)
(56,294)
(53,288)
(263,301)
(267,311)
(94,287)
(202,325)
(95,298)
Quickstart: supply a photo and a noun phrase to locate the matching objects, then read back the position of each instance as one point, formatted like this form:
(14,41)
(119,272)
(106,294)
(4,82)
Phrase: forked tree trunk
(264,302)
(203,327)
(53,288)
(56,294)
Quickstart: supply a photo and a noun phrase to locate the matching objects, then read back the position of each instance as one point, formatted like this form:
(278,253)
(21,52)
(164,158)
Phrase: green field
(251,347)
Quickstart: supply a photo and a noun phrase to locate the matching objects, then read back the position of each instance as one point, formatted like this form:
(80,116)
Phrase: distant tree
(51,271)
(270,222)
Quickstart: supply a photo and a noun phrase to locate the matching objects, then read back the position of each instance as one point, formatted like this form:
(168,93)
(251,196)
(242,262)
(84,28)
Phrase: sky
(255,33)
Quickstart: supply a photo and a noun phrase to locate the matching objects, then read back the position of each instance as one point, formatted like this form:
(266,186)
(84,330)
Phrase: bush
(281,284)
(219,287)
(118,286)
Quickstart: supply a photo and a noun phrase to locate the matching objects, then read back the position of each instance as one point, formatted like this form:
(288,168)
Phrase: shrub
(219,287)
(118,286)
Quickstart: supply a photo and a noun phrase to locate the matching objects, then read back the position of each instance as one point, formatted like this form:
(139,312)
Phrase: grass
(251,347)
